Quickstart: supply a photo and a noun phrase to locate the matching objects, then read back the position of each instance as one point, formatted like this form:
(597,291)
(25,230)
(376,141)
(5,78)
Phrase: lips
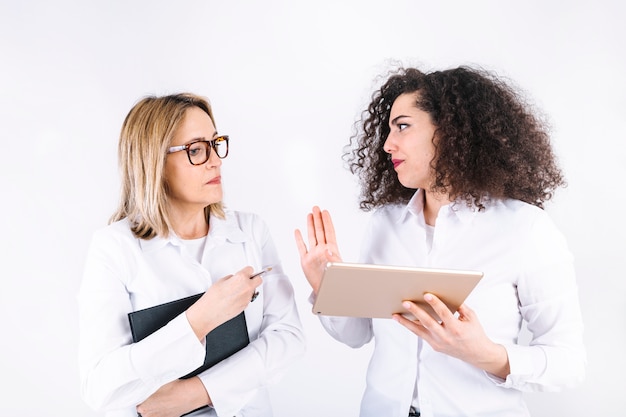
(216,180)
(396,162)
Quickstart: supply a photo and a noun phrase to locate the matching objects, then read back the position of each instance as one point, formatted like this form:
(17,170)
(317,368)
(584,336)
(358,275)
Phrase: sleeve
(555,357)
(232,383)
(351,331)
(116,373)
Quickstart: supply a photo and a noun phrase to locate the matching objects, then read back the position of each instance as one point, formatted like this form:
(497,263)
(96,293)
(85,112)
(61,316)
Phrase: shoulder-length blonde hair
(147,133)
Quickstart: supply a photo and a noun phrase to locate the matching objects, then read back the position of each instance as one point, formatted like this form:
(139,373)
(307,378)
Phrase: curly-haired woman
(458,167)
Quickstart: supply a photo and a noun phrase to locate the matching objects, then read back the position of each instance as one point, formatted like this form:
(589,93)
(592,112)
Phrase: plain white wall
(287,80)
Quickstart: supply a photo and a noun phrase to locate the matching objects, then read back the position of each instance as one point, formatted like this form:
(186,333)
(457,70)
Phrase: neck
(190,224)
(432,203)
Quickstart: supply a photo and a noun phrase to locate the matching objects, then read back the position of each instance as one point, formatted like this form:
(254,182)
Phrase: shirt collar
(413,208)
(220,230)
(458,209)
(226,229)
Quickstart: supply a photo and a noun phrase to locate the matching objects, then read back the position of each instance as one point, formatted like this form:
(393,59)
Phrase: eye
(195,149)
(402,126)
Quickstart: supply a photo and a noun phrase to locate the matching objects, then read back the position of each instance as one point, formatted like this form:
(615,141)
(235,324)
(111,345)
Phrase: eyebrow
(395,119)
(203,138)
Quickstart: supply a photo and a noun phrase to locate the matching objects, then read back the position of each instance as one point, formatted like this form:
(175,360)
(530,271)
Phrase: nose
(214,160)
(390,145)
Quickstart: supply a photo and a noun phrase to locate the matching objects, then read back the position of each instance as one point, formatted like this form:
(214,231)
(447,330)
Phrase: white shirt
(124,274)
(528,275)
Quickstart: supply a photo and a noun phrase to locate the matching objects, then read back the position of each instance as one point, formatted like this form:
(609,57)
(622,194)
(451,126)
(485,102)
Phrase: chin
(408,184)
(215,196)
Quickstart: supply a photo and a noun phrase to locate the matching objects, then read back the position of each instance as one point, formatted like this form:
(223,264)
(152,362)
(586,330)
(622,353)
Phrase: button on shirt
(124,274)
(528,275)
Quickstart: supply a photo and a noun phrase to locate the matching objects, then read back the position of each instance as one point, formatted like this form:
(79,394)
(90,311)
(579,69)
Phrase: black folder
(223,341)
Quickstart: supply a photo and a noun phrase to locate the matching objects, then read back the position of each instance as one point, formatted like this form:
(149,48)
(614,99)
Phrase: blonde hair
(146,134)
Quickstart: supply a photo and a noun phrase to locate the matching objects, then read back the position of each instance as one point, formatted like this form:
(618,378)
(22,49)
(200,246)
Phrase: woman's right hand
(175,399)
(224,300)
(322,246)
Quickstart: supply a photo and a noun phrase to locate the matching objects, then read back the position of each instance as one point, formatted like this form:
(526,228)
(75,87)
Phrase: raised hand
(322,247)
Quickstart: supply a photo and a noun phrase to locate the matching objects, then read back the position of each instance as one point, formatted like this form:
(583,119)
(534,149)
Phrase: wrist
(495,361)
(198,395)
(199,322)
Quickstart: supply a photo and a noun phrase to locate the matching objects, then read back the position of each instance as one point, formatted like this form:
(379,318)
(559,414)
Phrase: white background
(287,79)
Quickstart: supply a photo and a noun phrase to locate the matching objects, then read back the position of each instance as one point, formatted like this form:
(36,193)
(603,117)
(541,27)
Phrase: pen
(264,270)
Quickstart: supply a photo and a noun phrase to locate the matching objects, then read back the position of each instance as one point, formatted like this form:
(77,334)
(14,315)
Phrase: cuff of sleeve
(224,383)
(525,363)
(169,353)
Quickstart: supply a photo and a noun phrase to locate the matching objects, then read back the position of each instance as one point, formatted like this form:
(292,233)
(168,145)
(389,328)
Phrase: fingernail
(406,304)
(428,297)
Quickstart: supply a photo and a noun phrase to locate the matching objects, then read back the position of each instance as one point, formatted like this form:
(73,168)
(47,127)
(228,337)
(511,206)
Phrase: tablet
(377,291)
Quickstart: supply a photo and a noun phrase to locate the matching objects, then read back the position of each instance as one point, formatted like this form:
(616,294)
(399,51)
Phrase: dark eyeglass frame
(211,143)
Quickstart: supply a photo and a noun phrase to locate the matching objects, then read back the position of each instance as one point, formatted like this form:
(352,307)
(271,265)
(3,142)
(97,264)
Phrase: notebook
(377,291)
(222,342)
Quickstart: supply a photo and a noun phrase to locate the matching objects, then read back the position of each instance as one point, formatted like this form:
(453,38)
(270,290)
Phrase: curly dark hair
(489,142)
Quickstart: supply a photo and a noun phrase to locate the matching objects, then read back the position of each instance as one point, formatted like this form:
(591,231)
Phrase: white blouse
(528,276)
(124,274)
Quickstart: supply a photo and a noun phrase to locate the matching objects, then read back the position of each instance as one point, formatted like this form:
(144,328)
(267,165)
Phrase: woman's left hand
(175,399)
(462,337)
(322,246)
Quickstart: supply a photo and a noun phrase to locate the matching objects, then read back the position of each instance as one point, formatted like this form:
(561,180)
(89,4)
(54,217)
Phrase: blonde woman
(171,237)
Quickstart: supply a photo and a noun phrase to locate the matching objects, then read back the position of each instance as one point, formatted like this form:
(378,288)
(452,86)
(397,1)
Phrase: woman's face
(193,187)
(410,142)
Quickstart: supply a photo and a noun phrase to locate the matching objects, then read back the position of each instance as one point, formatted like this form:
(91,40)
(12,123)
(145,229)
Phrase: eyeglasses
(199,151)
